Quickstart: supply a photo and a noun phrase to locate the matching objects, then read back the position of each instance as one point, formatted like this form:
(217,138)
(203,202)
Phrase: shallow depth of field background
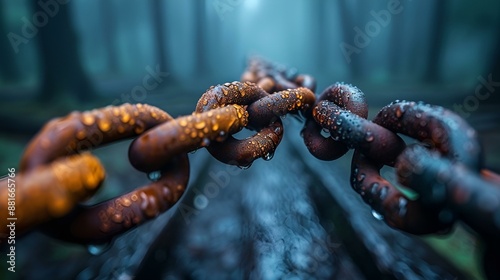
(93,53)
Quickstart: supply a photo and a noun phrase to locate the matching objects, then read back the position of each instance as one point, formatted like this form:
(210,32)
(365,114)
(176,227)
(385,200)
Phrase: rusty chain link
(444,168)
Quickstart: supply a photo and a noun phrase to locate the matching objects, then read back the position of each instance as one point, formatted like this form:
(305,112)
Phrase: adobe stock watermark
(482,92)
(222,7)
(29,29)
(372,29)
(150,82)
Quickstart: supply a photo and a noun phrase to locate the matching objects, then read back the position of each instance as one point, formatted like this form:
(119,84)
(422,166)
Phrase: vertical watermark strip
(11,219)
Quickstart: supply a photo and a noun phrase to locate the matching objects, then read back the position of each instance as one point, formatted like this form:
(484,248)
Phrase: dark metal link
(396,209)
(435,126)
(457,189)
(345,97)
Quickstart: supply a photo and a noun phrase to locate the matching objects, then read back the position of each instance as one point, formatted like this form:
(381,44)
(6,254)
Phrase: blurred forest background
(62,55)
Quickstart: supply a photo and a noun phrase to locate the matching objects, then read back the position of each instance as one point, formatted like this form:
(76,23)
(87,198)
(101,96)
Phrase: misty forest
(290,216)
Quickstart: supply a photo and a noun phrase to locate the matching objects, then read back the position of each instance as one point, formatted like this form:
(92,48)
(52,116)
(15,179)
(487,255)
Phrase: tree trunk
(347,23)
(8,67)
(109,30)
(432,74)
(159,29)
(200,38)
(62,71)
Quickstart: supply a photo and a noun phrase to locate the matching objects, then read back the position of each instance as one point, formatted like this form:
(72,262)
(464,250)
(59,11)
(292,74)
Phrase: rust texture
(272,77)
(184,134)
(51,191)
(241,152)
(80,131)
(102,222)
(343,98)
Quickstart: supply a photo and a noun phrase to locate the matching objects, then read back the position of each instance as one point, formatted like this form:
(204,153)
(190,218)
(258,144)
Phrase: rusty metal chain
(444,168)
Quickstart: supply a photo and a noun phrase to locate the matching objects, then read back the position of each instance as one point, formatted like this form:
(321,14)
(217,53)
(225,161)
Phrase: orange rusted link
(50,191)
(347,97)
(273,78)
(155,147)
(239,152)
(306,81)
(100,223)
(80,131)
(374,141)
(491,176)
(454,188)
(241,93)
(279,104)
(435,126)
(398,211)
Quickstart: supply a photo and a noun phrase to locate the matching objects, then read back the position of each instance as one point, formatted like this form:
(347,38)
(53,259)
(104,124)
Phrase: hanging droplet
(402,206)
(244,167)
(154,176)
(325,133)
(369,136)
(205,142)
(377,215)
(268,156)
(97,249)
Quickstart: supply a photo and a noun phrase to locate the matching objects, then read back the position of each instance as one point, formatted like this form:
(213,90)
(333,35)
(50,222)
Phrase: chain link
(444,168)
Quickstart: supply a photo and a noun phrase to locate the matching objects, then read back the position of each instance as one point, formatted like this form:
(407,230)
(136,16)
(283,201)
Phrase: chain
(444,166)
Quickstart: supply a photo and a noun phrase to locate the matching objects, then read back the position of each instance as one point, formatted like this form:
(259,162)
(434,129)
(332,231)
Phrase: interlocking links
(464,193)
(389,202)
(264,115)
(80,131)
(273,78)
(338,110)
(184,134)
(439,129)
(435,126)
(100,223)
(50,191)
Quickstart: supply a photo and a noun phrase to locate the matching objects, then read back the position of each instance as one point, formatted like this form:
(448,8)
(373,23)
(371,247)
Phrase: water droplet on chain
(154,176)
(97,249)
(205,142)
(377,215)
(268,156)
(244,167)
(369,137)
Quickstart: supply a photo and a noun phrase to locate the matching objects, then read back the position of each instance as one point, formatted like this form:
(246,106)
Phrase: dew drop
(383,192)
(200,125)
(268,156)
(183,122)
(325,133)
(154,176)
(97,249)
(377,215)
(88,119)
(205,142)
(215,127)
(244,167)
(402,206)
(125,118)
(104,125)
(117,218)
(369,137)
